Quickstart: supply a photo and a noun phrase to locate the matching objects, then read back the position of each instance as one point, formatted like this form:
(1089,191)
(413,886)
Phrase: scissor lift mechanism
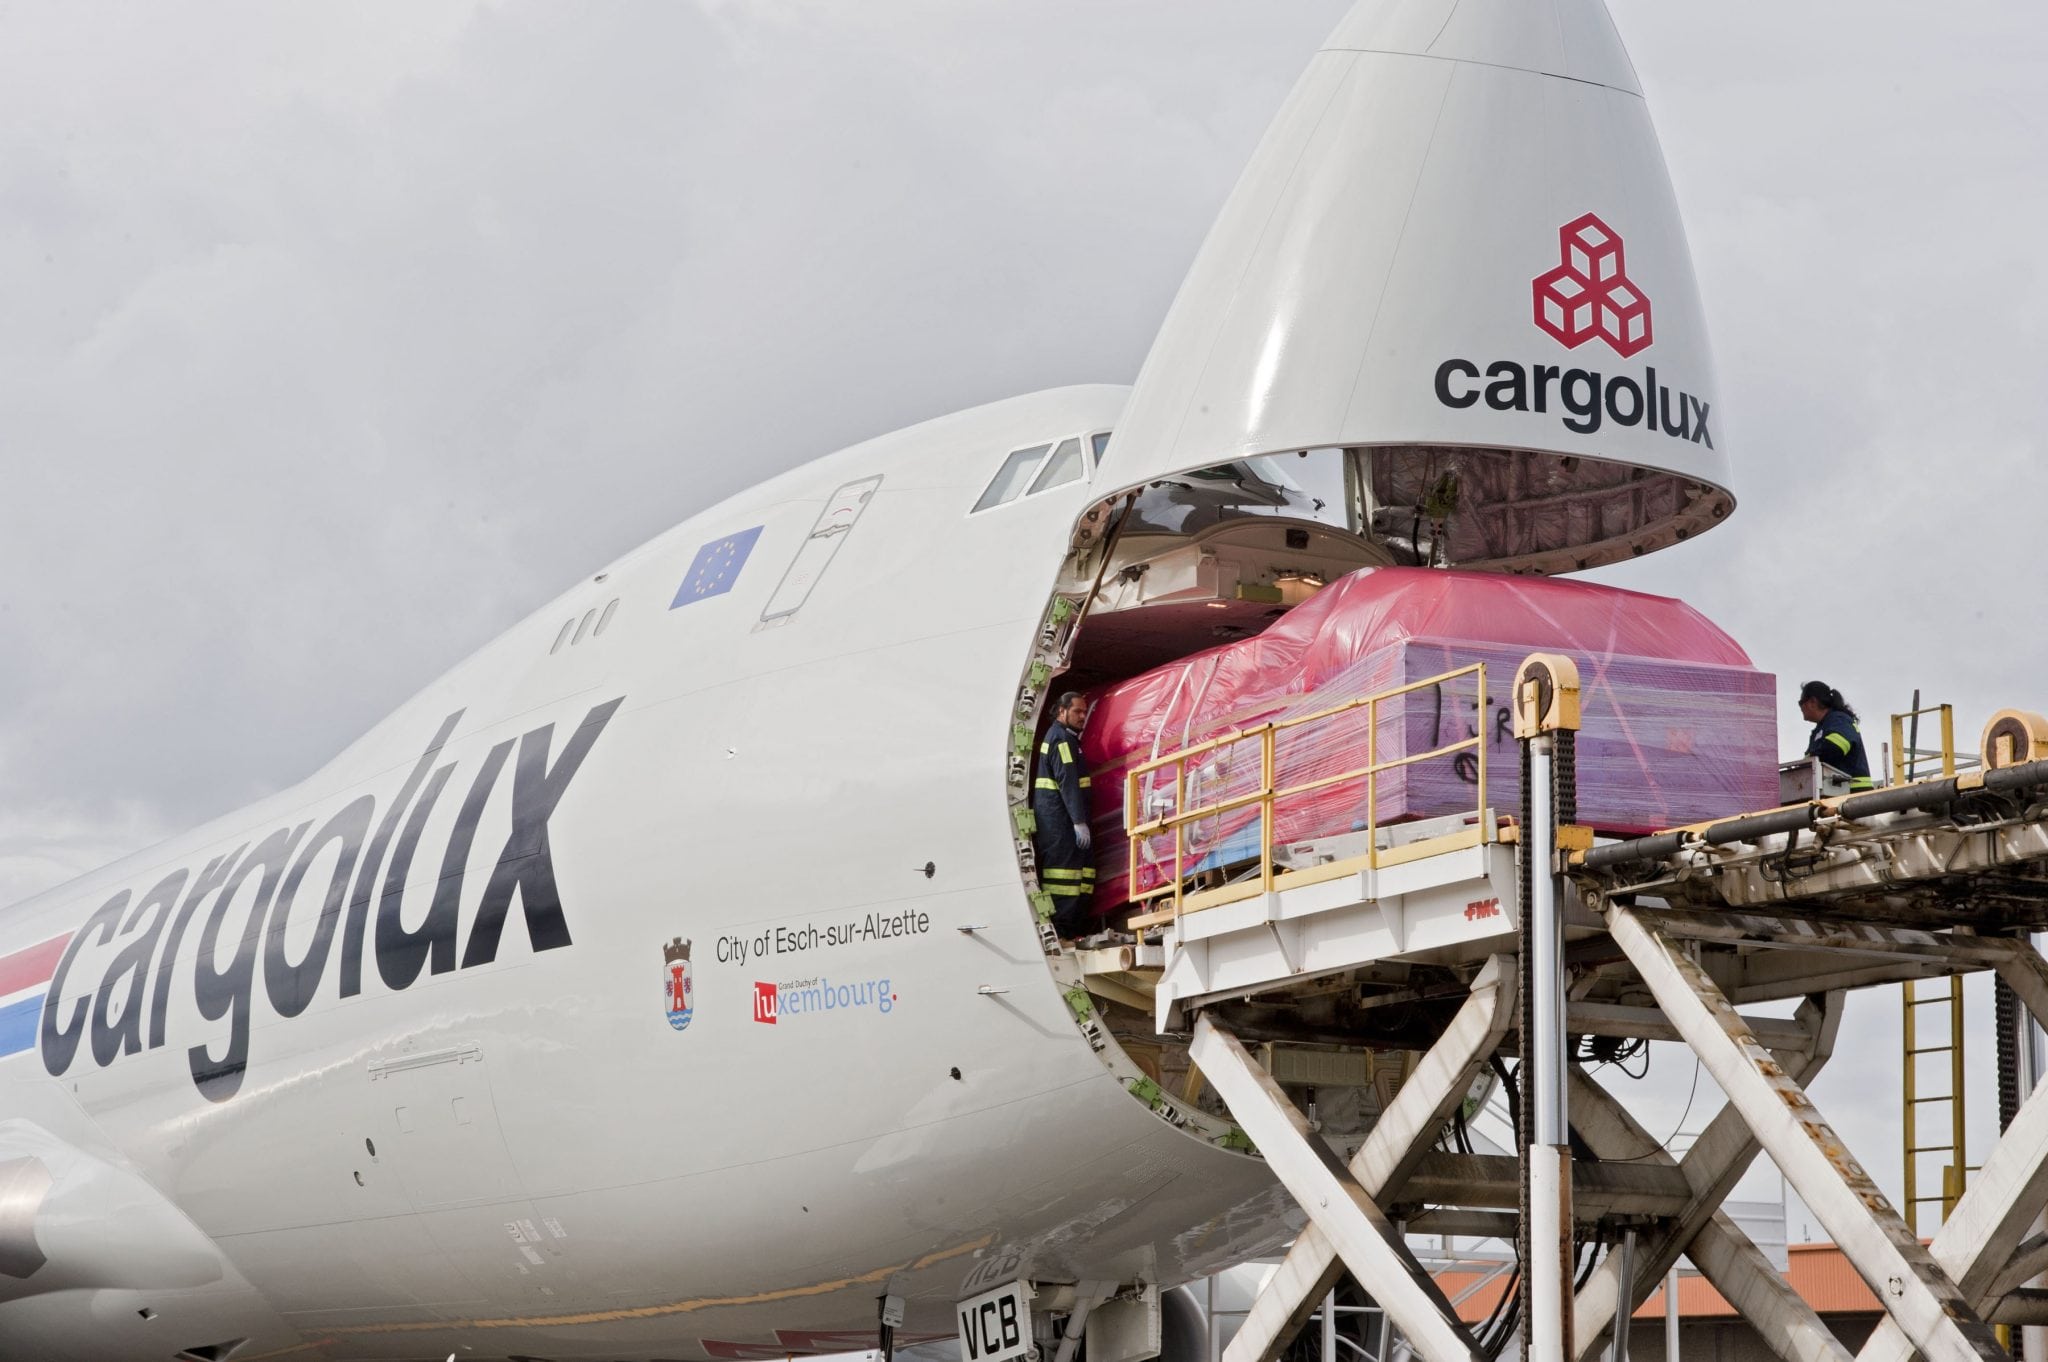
(1661,938)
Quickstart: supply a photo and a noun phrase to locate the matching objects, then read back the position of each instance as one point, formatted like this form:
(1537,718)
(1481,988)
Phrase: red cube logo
(1588,293)
(765,1003)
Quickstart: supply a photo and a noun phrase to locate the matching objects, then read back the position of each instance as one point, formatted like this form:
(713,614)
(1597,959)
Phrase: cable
(1592,1249)
(1602,1051)
(1510,1083)
(1507,1313)
(1663,1145)
(1690,1094)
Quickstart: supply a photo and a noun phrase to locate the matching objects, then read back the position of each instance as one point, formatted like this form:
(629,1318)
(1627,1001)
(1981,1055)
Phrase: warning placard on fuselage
(996,1325)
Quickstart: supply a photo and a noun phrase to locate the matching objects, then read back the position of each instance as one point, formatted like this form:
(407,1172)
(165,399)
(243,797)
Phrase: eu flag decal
(716,567)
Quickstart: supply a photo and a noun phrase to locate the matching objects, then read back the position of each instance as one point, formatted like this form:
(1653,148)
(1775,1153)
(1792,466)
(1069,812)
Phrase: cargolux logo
(348,893)
(1589,293)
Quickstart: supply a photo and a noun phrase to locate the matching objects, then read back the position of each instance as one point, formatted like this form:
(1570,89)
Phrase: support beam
(1393,1147)
(2025,973)
(1627,1186)
(1344,1211)
(1793,932)
(1929,1307)
(1647,1023)
(1719,1248)
(2027,1307)
(1981,1239)
(1106,986)
(1768,976)
(1466,1224)
(1716,1163)
(2029,1261)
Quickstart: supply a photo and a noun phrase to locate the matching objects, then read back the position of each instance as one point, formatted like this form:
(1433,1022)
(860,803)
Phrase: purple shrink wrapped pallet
(1677,726)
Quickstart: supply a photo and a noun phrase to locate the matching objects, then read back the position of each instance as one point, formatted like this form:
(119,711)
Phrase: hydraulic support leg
(2028,1064)
(1619,1352)
(1546,1156)
(1546,719)
(1981,1238)
(1929,1307)
(1716,1162)
(1736,1266)
(2023,973)
(1090,1295)
(1356,1228)
(1396,1142)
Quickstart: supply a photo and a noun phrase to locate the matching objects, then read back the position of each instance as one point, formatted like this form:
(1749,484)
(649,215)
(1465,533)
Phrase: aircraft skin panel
(431,1121)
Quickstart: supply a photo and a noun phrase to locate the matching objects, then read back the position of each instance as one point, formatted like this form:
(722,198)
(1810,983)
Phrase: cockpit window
(1063,467)
(1011,478)
(1100,442)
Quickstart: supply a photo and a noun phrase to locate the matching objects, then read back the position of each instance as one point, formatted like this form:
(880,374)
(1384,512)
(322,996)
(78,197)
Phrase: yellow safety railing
(1906,760)
(1266,796)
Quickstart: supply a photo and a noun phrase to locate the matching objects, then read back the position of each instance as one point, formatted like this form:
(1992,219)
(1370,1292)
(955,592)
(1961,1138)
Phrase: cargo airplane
(550,1020)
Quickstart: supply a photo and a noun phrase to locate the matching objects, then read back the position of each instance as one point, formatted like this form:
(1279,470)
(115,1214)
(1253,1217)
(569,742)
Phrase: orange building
(1711,1330)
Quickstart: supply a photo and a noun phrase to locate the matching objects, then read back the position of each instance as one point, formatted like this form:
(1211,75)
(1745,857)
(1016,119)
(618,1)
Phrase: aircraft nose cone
(1575,39)
(1457,254)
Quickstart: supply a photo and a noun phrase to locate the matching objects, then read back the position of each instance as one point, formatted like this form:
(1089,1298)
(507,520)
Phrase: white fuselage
(558,1166)
(405,1061)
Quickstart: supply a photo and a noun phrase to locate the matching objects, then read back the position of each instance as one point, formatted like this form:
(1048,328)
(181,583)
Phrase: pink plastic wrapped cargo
(1677,725)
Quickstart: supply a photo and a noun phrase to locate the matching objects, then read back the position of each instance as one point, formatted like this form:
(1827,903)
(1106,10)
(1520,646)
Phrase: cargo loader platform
(1484,941)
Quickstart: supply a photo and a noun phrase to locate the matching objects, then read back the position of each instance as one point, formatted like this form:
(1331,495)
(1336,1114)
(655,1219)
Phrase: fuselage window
(583,628)
(1012,477)
(606,617)
(562,637)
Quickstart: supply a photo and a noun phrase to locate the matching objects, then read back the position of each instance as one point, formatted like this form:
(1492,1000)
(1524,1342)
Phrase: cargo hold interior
(1277,587)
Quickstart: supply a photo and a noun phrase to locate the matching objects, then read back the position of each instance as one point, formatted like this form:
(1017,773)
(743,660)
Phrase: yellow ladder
(1950,1043)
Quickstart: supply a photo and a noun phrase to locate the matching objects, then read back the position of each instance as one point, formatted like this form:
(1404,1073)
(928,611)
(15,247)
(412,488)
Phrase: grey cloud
(326,357)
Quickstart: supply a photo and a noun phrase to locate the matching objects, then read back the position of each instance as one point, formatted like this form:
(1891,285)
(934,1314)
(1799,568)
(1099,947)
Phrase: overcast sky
(333,339)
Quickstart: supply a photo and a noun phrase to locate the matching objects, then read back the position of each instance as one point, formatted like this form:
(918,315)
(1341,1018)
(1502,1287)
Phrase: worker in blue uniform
(1059,802)
(1837,738)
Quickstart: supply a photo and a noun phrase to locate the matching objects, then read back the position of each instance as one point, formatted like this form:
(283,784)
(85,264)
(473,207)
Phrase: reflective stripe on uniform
(1069,891)
(1839,741)
(1088,872)
(1862,783)
(1066,754)
(1044,748)
(1056,873)
(1045,783)
(1084,782)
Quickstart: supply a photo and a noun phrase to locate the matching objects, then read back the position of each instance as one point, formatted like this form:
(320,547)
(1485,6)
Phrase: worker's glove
(1085,838)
